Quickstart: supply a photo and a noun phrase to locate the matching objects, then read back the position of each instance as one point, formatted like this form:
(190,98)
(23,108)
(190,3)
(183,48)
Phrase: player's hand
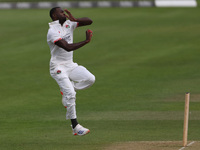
(69,15)
(88,35)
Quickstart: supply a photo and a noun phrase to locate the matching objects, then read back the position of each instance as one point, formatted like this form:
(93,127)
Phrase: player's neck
(61,22)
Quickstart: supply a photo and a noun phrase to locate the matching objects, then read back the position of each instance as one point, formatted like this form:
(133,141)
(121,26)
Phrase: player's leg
(68,99)
(81,78)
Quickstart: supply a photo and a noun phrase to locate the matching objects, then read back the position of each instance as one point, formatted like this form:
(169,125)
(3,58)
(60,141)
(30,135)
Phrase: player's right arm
(71,47)
(81,21)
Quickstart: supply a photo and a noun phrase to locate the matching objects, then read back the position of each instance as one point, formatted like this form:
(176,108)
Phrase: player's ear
(54,16)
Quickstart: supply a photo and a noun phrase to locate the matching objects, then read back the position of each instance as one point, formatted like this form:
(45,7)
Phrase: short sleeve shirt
(55,33)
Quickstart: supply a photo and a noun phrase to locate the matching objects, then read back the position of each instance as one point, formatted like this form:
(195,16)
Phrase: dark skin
(62,17)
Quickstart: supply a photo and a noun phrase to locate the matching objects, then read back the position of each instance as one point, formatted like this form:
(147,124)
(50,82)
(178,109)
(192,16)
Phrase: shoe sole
(83,134)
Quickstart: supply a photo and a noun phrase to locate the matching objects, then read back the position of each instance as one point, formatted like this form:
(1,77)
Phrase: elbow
(90,22)
(68,49)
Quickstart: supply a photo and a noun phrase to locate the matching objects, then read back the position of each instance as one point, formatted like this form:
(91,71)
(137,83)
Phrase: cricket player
(69,75)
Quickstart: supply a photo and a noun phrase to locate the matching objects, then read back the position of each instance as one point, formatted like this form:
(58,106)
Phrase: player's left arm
(81,21)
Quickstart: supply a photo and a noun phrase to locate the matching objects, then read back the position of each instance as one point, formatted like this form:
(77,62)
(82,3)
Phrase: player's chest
(65,33)
(65,29)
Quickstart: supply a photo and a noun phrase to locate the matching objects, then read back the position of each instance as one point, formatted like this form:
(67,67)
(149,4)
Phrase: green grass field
(144,60)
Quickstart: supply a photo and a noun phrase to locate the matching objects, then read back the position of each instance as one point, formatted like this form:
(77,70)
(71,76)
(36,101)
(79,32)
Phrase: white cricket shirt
(55,33)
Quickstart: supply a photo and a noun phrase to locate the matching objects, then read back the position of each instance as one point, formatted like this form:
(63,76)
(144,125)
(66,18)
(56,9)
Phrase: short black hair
(52,11)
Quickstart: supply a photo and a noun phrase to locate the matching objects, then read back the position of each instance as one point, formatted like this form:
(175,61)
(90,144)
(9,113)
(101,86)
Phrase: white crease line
(187,145)
(182,148)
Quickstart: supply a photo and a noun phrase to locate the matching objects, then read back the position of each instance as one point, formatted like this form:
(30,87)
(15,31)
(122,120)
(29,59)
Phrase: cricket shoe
(80,130)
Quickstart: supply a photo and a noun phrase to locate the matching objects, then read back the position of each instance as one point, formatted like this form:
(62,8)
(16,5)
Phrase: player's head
(57,13)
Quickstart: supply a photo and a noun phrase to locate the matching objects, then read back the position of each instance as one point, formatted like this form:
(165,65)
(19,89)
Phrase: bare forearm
(70,47)
(84,21)
(74,46)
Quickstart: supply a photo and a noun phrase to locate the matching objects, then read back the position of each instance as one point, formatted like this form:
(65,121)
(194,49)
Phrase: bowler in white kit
(69,75)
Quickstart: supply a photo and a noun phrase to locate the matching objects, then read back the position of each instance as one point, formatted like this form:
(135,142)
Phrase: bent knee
(91,80)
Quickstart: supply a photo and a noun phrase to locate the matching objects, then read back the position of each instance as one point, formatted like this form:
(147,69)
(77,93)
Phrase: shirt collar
(54,23)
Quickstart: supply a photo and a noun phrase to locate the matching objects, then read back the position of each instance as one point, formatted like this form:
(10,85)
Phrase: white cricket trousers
(71,78)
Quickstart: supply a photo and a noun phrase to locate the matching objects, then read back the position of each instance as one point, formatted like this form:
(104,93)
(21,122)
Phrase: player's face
(60,15)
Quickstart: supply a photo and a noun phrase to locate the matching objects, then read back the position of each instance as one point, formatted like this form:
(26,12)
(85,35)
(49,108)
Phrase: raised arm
(71,47)
(82,21)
